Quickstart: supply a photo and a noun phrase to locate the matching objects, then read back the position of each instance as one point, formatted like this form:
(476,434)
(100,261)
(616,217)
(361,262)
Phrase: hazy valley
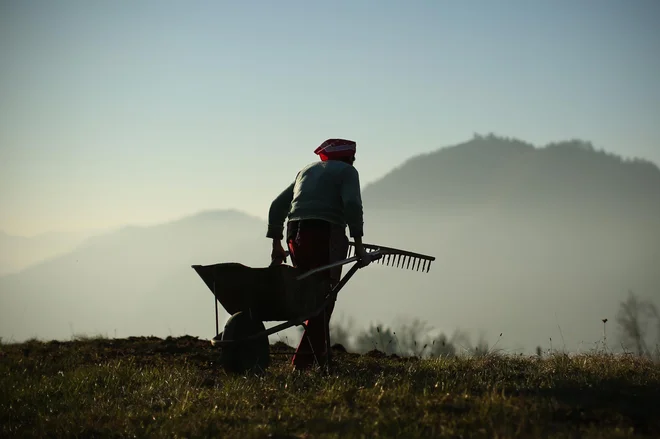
(533,243)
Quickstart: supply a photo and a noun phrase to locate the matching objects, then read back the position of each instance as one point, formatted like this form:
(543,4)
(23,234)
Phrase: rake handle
(372,256)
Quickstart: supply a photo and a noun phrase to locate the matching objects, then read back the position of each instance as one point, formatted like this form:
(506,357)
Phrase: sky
(121,112)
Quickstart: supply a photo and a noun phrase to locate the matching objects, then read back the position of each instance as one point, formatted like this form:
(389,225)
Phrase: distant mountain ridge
(19,252)
(491,170)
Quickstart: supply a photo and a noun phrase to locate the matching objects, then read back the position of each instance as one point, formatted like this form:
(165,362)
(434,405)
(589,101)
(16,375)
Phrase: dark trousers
(314,243)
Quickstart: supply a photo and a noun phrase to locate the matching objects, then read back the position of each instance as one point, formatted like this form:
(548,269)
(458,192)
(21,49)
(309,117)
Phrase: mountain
(19,252)
(134,280)
(510,174)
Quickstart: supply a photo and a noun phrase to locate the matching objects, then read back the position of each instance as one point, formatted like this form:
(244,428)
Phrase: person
(320,203)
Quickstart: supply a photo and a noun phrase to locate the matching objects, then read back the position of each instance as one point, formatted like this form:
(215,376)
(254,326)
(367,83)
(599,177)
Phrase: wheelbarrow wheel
(252,355)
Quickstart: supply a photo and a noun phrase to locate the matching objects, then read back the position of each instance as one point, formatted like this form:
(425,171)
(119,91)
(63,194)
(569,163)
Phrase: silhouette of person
(323,200)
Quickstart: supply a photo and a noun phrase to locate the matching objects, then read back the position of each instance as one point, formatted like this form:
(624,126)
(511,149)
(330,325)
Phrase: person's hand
(278,255)
(361,253)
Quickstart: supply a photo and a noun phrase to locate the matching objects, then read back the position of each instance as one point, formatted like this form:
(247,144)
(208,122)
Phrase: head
(337,149)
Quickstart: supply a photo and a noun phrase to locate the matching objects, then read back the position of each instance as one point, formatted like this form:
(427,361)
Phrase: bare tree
(377,338)
(634,317)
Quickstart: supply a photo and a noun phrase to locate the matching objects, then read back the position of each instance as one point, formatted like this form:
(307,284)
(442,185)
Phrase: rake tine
(408,266)
(388,260)
(419,262)
(398,260)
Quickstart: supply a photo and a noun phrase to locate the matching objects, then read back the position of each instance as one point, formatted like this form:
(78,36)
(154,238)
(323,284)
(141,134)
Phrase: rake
(379,254)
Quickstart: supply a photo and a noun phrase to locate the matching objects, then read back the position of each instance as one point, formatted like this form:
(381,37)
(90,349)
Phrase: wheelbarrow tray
(268,293)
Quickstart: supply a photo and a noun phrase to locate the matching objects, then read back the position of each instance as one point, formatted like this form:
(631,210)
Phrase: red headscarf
(336,149)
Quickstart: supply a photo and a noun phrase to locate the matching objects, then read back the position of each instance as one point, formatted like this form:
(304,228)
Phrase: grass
(151,387)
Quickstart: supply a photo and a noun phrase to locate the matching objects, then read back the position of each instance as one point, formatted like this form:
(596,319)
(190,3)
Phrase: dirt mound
(280,346)
(375,353)
(338,347)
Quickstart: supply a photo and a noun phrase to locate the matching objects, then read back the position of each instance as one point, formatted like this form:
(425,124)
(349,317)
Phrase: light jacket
(326,190)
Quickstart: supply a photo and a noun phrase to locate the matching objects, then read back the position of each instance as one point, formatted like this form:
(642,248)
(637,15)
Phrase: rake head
(395,258)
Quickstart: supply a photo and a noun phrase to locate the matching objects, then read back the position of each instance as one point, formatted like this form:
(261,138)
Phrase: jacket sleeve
(279,209)
(352,201)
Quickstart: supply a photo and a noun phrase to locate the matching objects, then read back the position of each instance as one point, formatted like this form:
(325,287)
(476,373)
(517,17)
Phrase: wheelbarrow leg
(328,350)
(215,299)
(218,334)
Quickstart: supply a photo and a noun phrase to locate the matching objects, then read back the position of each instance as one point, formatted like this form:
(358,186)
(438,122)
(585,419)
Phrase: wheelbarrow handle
(372,255)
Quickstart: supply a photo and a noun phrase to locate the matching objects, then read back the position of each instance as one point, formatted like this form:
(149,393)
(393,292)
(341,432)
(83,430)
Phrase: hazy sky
(143,111)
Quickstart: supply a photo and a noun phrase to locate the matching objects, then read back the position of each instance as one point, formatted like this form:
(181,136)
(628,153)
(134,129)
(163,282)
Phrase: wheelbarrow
(282,292)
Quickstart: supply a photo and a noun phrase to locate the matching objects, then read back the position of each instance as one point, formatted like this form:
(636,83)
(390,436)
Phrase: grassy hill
(152,387)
